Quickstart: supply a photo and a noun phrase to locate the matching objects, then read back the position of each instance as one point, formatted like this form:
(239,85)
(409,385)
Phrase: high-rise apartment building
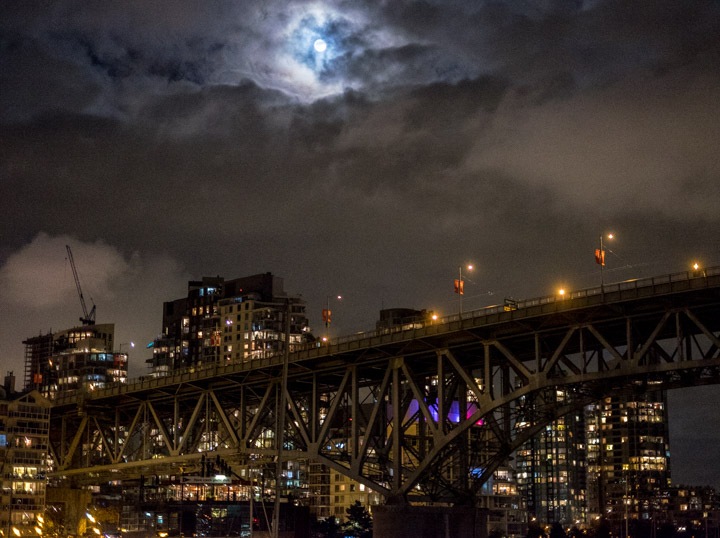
(240,319)
(77,358)
(609,460)
(628,456)
(551,472)
(24,423)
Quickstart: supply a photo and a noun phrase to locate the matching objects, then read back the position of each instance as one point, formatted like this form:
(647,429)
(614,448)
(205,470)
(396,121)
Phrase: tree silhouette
(557,531)
(328,528)
(600,528)
(535,530)
(359,522)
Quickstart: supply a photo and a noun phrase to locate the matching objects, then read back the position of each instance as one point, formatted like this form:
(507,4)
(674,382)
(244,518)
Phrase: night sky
(166,141)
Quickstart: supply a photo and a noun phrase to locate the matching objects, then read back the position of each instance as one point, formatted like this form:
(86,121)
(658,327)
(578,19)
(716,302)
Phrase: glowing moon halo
(320,45)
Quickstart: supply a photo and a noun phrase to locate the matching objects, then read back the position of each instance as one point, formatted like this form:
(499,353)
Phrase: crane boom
(88,318)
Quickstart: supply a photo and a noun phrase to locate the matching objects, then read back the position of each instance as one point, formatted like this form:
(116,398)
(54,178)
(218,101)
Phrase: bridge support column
(393,521)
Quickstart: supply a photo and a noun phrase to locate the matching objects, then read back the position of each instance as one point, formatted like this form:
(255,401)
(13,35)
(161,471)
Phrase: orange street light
(600,259)
(459,283)
(327,314)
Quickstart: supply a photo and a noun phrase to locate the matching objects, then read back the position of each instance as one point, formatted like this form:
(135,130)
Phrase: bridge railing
(212,369)
(648,283)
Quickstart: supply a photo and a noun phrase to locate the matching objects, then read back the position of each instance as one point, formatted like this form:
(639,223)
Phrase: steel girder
(425,415)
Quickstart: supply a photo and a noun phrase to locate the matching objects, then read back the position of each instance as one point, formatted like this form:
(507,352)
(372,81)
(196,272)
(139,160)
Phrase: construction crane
(88,318)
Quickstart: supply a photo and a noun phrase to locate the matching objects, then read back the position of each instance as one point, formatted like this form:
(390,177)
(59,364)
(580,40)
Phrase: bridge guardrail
(213,369)
(650,282)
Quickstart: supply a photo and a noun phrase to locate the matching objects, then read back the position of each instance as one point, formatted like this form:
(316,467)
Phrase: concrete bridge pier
(403,520)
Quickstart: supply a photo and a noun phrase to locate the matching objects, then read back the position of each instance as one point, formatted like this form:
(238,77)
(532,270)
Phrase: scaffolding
(38,351)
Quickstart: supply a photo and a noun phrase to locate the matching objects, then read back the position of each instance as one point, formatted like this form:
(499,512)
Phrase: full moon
(320,45)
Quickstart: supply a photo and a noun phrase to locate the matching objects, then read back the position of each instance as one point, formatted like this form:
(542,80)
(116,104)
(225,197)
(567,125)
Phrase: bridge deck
(549,313)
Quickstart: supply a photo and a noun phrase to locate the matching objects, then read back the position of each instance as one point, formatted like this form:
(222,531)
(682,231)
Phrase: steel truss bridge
(423,412)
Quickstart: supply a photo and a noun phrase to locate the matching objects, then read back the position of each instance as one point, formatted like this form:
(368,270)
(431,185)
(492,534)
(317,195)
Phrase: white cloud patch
(40,276)
(128,291)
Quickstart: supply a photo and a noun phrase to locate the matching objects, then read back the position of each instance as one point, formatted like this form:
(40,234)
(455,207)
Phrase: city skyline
(169,142)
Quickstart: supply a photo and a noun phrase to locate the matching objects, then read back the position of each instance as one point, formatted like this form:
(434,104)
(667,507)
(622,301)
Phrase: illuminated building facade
(610,459)
(331,493)
(216,501)
(220,319)
(692,510)
(551,470)
(24,424)
(77,358)
(507,515)
(345,491)
(254,328)
(628,456)
(191,328)
(319,490)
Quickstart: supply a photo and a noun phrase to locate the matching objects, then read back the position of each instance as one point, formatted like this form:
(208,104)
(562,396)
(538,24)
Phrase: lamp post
(600,259)
(459,286)
(327,314)
(280,433)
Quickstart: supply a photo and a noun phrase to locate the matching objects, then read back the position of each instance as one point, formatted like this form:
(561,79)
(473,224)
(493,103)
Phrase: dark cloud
(34,82)
(170,141)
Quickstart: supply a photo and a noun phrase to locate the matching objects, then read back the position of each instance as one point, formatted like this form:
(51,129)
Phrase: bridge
(422,412)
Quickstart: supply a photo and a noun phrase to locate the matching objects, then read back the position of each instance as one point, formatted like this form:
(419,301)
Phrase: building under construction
(77,358)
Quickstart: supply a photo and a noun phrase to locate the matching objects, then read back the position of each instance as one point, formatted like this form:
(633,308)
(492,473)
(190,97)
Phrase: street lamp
(326,314)
(132,345)
(459,286)
(280,435)
(600,259)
